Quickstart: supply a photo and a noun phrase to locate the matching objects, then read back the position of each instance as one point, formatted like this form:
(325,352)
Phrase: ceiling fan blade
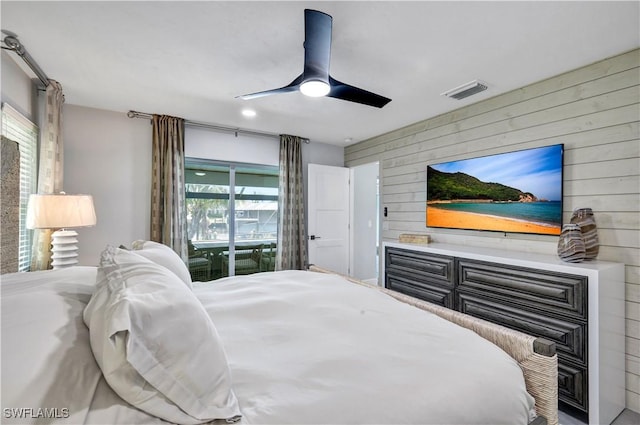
(317,44)
(292,86)
(340,90)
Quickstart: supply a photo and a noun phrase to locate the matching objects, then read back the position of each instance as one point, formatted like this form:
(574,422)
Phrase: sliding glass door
(232,216)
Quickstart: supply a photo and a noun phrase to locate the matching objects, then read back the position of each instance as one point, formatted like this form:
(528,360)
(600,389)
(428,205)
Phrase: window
(232,218)
(18,128)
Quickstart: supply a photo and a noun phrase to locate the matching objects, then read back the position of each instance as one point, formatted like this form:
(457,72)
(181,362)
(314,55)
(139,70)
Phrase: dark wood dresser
(579,306)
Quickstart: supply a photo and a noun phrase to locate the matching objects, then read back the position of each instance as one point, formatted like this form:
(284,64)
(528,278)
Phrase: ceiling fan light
(315,88)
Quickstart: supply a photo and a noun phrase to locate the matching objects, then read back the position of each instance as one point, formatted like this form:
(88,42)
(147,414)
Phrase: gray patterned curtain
(168,207)
(50,169)
(292,244)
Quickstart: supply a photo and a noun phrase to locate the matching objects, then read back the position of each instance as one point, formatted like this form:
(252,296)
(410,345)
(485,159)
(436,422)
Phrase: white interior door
(328,225)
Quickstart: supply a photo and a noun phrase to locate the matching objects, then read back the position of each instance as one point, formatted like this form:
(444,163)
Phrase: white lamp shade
(60,211)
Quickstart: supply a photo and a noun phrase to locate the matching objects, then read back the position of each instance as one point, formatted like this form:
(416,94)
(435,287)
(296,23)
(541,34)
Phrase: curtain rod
(12,43)
(136,114)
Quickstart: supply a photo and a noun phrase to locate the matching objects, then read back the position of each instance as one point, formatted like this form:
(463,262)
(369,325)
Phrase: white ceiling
(191,59)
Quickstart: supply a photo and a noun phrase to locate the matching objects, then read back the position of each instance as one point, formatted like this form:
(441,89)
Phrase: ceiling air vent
(466,90)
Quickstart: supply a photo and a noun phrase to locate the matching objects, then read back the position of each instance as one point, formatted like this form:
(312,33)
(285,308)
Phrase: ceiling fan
(315,80)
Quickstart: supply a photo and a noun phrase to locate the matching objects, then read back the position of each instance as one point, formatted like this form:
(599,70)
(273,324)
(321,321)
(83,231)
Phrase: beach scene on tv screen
(512,192)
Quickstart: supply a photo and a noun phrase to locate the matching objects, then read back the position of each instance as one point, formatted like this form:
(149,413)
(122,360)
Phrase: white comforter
(302,347)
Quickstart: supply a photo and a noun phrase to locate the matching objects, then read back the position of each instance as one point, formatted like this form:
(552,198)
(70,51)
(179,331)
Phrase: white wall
(594,111)
(108,155)
(323,154)
(17,87)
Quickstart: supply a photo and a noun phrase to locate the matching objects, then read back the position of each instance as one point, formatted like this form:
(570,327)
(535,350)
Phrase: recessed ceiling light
(200,173)
(348,140)
(249,113)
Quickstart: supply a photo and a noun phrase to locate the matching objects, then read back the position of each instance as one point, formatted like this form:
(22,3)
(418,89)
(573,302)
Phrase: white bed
(301,348)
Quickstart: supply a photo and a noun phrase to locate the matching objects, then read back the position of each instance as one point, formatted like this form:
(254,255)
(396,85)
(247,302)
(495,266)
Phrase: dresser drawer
(572,385)
(536,290)
(434,294)
(421,266)
(570,337)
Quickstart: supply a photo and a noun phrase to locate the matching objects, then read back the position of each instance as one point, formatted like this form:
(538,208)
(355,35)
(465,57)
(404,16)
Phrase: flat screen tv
(515,192)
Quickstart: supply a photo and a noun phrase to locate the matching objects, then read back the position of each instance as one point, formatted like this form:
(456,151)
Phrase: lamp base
(64,249)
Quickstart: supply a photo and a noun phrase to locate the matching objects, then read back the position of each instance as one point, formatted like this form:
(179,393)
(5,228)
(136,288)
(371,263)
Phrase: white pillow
(165,256)
(155,343)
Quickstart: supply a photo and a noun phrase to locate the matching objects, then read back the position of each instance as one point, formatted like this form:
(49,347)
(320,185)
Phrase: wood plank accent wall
(594,111)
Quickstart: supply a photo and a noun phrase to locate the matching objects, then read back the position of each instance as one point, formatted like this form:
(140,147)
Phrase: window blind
(18,128)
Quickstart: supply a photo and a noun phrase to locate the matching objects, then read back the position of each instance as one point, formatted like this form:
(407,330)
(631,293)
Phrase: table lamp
(61,212)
